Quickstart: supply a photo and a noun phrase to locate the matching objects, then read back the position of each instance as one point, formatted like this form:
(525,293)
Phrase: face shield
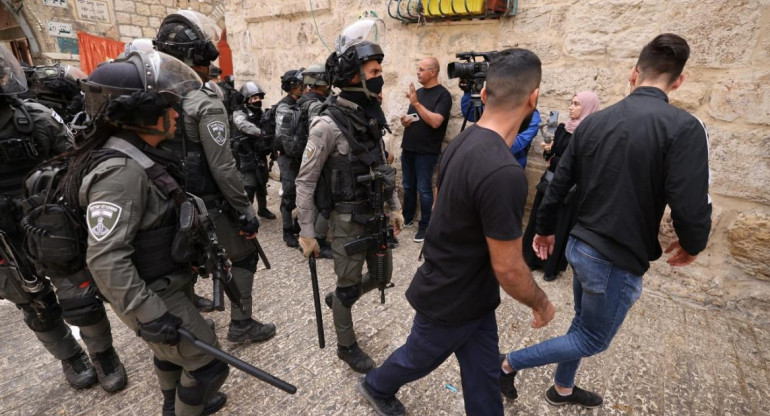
(73,73)
(371,30)
(157,71)
(12,79)
(139,44)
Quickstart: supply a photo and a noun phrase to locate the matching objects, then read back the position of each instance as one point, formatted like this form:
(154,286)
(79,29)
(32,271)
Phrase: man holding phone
(422,139)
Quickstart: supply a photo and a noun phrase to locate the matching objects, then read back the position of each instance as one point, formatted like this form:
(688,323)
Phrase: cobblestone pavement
(668,358)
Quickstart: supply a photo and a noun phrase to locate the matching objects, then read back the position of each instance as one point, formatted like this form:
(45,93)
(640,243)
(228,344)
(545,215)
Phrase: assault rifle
(216,261)
(380,233)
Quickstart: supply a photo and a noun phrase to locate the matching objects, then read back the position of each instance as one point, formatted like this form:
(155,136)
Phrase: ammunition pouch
(11,286)
(56,242)
(348,295)
(188,243)
(44,313)
(15,150)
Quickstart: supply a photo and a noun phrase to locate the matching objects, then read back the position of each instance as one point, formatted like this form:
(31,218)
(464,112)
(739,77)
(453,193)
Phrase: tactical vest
(198,179)
(19,151)
(340,172)
(57,233)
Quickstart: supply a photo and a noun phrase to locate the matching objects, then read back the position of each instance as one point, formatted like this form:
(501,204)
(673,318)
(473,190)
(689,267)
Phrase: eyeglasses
(424,69)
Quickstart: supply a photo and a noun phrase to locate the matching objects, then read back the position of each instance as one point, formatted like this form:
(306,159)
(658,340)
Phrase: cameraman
(422,141)
(523,140)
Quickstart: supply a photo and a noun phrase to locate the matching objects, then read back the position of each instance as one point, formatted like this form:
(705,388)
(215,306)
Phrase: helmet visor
(12,79)
(73,73)
(372,30)
(169,76)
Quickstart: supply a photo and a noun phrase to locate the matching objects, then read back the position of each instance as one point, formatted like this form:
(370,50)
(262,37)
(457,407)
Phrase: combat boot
(78,371)
(356,358)
(289,238)
(250,330)
(202,304)
(326,248)
(265,213)
(111,373)
(213,405)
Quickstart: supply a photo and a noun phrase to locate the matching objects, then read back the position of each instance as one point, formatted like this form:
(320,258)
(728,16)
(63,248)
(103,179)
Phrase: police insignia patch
(217,131)
(309,153)
(102,217)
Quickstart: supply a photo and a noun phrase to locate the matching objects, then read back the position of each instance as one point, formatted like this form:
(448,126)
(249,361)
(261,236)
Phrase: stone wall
(122,20)
(590,44)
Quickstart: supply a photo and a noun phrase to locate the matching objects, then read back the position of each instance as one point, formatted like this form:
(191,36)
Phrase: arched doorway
(13,35)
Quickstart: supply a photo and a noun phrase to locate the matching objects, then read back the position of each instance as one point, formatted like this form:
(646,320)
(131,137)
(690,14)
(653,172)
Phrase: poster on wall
(97,11)
(60,29)
(55,3)
(68,45)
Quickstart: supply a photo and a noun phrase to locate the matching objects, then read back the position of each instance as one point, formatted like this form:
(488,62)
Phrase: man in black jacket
(629,161)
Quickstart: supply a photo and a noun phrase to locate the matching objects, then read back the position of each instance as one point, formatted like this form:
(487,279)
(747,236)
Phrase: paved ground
(668,359)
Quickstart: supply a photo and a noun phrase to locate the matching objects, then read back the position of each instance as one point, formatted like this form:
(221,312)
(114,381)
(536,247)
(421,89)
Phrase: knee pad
(249,263)
(83,311)
(348,295)
(209,379)
(51,313)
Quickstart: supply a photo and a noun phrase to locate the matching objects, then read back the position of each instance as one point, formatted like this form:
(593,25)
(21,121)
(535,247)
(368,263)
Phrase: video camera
(472,74)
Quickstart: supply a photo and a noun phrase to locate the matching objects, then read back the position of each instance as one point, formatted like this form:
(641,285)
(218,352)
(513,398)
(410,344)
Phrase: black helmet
(189,36)
(356,45)
(214,71)
(315,75)
(138,89)
(12,79)
(250,89)
(291,79)
(55,82)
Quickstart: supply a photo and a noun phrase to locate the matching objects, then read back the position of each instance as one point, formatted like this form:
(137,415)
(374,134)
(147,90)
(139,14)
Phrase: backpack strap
(157,173)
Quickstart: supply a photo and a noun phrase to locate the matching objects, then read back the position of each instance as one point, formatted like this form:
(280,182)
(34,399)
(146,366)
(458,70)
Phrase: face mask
(375,84)
(255,105)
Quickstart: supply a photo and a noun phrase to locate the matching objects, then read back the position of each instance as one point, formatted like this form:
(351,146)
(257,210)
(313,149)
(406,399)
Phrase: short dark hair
(665,55)
(512,75)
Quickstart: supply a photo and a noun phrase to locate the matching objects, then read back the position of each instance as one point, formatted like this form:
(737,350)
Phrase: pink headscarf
(590,103)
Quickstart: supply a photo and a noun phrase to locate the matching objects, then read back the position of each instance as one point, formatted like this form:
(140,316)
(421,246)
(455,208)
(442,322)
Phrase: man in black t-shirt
(472,248)
(422,141)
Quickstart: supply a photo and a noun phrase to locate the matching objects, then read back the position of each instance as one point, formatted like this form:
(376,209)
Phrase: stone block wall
(591,44)
(122,20)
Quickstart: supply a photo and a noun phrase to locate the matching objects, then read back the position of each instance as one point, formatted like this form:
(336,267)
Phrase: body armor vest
(19,151)
(197,173)
(340,172)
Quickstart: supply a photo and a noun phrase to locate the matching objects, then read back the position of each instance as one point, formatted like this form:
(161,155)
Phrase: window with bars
(418,11)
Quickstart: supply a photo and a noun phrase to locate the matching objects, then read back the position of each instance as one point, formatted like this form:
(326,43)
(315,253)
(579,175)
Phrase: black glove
(249,227)
(162,330)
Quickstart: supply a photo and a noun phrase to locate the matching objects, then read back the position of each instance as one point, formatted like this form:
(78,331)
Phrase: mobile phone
(553,121)
(413,116)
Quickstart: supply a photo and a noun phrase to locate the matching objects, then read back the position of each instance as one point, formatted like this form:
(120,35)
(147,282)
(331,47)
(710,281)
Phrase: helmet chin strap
(372,96)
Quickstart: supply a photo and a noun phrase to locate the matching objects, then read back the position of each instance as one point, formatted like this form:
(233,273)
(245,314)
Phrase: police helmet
(12,79)
(189,36)
(291,79)
(137,90)
(55,81)
(138,44)
(315,75)
(251,89)
(357,44)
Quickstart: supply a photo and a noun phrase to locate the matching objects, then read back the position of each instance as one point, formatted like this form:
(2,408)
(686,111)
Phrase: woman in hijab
(581,106)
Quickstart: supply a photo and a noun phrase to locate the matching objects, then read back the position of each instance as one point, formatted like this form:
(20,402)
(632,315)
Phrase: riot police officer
(310,106)
(251,147)
(345,148)
(130,195)
(210,168)
(29,134)
(55,86)
(288,160)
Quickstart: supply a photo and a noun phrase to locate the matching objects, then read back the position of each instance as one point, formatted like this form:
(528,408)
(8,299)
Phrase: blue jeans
(417,170)
(604,294)
(475,344)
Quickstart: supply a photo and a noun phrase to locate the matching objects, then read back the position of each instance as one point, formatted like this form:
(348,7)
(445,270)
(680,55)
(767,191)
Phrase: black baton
(237,362)
(317,302)
(261,253)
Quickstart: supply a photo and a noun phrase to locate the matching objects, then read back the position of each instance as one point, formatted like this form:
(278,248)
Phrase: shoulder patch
(217,132)
(102,217)
(215,111)
(56,116)
(309,152)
